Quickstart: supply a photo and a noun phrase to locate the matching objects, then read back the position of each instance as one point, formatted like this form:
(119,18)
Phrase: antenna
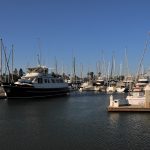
(39,55)
(39,63)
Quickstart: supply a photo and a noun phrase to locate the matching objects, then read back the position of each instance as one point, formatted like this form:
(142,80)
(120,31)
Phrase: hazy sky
(87,29)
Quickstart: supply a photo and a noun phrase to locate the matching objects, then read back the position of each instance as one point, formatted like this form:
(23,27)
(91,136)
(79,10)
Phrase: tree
(91,75)
(21,72)
(16,72)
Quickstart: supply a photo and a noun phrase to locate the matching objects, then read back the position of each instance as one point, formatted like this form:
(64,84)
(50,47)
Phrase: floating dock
(128,109)
(116,106)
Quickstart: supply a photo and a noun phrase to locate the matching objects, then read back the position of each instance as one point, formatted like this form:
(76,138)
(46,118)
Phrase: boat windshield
(26,80)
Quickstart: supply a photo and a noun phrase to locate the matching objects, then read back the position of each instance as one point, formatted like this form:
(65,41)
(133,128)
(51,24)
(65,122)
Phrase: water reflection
(113,118)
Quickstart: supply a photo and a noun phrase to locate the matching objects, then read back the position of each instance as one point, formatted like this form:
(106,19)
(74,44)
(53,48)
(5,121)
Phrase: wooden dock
(128,109)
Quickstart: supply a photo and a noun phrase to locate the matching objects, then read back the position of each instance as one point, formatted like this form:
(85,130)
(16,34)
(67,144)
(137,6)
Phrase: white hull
(136,100)
(89,88)
(120,90)
(111,89)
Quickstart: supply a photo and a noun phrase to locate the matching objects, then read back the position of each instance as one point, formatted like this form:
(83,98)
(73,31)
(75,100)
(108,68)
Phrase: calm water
(76,122)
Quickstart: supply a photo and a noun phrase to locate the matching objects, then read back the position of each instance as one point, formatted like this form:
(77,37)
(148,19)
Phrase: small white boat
(136,97)
(100,84)
(89,86)
(142,82)
(120,89)
(111,86)
(111,89)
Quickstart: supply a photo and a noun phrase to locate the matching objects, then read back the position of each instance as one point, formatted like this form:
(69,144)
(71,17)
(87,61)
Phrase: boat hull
(13,91)
(136,100)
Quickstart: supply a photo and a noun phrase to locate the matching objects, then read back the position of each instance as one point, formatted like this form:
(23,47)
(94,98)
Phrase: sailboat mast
(81,71)
(1,61)
(74,66)
(112,68)
(12,62)
(126,64)
(141,61)
(56,70)
(74,69)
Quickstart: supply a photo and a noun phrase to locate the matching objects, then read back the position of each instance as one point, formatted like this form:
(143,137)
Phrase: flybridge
(39,69)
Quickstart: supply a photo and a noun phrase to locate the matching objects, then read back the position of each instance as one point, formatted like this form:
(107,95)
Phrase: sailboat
(111,82)
(127,83)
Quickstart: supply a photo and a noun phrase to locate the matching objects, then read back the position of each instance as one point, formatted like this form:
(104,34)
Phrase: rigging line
(141,61)
(7,61)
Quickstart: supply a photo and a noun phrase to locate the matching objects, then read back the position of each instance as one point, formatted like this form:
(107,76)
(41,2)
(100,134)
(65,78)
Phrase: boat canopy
(40,69)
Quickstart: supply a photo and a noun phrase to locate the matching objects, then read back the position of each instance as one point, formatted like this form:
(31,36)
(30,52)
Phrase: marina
(74,75)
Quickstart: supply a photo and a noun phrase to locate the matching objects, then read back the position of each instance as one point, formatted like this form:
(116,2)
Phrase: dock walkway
(128,109)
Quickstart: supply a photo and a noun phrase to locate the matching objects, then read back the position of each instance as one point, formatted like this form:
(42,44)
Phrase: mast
(81,67)
(5,68)
(74,69)
(40,53)
(39,62)
(1,61)
(56,66)
(120,70)
(62,68)
(74,66)
(141,61)
(7,63)
(112,68)
(126,71)
(12,62)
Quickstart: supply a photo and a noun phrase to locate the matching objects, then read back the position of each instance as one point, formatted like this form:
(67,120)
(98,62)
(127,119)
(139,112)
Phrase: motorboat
(36,83)
(136,97)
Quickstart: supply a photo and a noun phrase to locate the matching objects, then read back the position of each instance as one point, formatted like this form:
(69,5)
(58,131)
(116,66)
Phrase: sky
(92,31)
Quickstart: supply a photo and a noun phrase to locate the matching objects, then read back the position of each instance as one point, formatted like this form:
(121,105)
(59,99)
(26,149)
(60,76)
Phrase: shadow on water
(22,101)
